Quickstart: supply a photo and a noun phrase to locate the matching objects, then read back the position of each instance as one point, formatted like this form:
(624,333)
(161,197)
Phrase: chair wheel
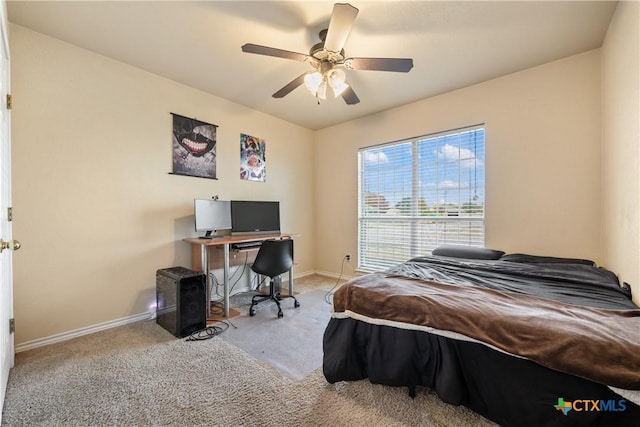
(296,304)
(280,314)
(252,312)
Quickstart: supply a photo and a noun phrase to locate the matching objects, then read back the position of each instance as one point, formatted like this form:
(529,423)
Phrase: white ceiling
(453,44)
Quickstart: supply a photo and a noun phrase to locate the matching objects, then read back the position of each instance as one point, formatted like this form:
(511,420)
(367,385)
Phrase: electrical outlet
(347,257)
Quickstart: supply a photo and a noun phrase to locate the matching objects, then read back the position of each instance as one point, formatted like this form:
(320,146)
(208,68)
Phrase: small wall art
(194,147)
(252,158)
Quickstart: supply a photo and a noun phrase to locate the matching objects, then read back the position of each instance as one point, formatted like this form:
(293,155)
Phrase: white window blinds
(417,194)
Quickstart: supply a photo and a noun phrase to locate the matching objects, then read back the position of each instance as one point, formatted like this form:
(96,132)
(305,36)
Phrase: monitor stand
(211,234)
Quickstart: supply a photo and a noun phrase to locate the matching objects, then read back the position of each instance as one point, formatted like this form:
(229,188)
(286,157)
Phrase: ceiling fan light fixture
(336,79)
(339,88)
(312,81)
(336,75)
(322,90)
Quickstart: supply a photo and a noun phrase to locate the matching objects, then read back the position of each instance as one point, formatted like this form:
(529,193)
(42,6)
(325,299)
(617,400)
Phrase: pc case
(181,300)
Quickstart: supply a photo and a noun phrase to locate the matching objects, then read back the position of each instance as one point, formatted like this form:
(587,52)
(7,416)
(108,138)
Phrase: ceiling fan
(328,59)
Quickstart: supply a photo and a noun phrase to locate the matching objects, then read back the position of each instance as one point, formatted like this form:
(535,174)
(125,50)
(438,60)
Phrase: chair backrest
(274,257)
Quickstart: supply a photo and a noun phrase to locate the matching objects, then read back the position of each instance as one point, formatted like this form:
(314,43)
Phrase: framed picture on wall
(252,158)
(194,147)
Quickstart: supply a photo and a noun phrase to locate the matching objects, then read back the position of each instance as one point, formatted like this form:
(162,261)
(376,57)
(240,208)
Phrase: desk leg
(204,266)
(291,281)
(226,280)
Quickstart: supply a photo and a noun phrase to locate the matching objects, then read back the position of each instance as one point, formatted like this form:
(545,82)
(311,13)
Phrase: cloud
(444,185)
(448,185)
(449,153)
(377,157)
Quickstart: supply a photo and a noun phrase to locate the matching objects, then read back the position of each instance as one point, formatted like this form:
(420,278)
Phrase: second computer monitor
(255,217)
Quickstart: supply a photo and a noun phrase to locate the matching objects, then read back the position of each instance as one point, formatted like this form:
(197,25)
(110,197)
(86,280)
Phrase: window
(417,194)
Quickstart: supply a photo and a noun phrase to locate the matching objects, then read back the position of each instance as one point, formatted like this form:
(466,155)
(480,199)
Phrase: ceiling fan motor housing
(319,54)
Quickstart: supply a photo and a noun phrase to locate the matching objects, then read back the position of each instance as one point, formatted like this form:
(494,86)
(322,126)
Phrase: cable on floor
(328,297)
(208,332)
(217,308)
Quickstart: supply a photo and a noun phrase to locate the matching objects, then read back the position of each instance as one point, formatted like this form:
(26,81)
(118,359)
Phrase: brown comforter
(597,344)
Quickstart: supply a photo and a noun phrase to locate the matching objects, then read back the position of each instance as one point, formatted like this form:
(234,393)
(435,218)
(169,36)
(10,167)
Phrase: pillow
(469,252)
(535,259)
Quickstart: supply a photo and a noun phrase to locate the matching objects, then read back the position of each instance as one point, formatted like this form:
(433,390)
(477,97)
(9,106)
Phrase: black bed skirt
(508,390)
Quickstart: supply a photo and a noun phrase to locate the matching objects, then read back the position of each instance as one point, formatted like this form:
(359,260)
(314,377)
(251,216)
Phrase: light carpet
(141,375)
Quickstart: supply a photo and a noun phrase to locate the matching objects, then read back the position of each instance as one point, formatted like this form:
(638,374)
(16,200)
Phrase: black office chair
(274,258)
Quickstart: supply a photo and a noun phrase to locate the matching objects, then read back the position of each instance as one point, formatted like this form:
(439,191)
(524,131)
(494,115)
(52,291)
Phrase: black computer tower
(181,300)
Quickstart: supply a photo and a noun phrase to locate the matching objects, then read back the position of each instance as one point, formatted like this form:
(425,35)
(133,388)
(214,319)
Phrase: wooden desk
(201,259)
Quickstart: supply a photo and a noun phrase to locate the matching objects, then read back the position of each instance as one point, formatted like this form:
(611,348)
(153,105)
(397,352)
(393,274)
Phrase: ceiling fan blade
(350,96)
(340,25)
(290,86)
(400,65)
(272,51)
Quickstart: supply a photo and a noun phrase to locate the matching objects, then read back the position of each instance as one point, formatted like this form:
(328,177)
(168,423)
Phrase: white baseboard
(65,336)
(334,275)
(296,276)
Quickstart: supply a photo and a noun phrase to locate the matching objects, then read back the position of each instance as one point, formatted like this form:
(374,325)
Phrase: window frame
(441,219)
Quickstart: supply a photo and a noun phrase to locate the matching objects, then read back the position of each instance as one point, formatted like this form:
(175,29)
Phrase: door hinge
(9,101)
(9,214)
(12,325)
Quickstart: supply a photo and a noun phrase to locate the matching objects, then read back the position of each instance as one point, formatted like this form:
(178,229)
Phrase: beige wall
(98,213)
(96,209)
(542,160)
(621,145)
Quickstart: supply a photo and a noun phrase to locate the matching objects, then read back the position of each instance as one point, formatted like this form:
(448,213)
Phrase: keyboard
(246,245)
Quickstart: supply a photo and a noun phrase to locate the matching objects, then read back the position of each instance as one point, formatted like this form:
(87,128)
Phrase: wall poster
(194,147)
(252,158)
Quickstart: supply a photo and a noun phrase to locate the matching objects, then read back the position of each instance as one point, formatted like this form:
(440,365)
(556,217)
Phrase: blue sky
(451,169)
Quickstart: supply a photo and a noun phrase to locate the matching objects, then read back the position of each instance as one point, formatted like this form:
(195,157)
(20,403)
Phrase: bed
(519,339)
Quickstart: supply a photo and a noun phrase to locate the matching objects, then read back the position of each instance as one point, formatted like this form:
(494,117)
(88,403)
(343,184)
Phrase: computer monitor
(255,217)
(211,216)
